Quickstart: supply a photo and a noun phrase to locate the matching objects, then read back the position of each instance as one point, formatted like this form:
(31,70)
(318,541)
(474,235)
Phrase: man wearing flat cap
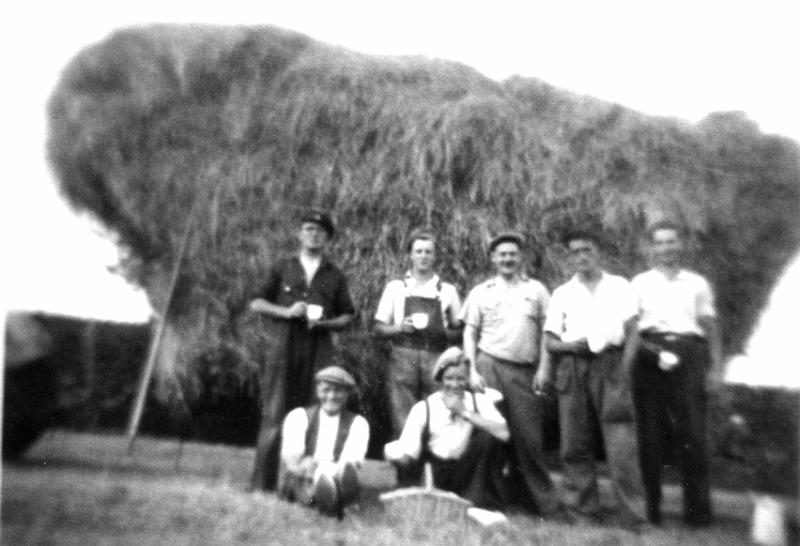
(503,319)
(323,446)
(307,298)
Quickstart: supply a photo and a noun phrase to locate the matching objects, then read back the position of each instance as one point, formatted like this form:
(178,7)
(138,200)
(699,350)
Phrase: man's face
(667,247)
(584,256)
(506,258)
(454,380)
(423,255)
(332,397)
(313,236)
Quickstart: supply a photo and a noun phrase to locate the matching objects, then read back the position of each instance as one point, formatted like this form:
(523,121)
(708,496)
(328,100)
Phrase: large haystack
(245,126)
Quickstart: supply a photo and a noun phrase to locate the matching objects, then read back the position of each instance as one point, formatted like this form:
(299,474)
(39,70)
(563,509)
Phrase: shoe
(348,483)
(324,494)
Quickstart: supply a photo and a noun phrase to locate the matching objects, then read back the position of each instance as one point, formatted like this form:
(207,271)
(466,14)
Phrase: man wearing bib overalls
(418,314)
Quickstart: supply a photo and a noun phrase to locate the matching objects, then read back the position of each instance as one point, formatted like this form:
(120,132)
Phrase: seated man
(459,432)
(322,447)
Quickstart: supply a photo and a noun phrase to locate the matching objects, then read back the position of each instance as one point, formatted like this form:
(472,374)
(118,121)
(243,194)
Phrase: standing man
(419,314)
(678,341)
(307,298)
(588,321)
(502,338)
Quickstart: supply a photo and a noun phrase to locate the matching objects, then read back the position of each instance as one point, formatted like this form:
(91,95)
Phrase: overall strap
(312,415)
(475,402)
(438,288)
(426,432)
(346,419)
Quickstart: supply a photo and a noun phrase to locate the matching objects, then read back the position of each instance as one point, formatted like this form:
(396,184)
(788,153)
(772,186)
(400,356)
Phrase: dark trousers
(593,391)
(476,476)
(672,404)
(410,380)
(524,412)
(286,379)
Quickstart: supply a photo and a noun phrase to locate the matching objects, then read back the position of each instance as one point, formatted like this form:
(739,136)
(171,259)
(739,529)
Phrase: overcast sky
(679,59)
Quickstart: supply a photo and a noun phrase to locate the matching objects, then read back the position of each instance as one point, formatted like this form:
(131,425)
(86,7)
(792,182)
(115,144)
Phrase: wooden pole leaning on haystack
(424,505)
(155,344)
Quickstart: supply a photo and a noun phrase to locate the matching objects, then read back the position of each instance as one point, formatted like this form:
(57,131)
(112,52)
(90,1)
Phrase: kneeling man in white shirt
(323,447)
(459,432)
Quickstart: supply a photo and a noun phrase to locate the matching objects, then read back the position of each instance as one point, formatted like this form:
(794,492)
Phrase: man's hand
(476,382)
(543,381)
(301,465)
(296,310)
(715,381)
(318,324)
(406,327)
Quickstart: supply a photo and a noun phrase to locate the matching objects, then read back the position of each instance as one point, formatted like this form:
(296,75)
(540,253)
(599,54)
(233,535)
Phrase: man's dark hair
(582,235)
(666,224)
(420,235)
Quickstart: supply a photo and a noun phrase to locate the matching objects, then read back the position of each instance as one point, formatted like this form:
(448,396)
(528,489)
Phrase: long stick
(155,345)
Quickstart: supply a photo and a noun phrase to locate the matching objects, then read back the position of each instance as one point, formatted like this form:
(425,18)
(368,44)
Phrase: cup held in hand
(668,360)
(419,320)
(313,311)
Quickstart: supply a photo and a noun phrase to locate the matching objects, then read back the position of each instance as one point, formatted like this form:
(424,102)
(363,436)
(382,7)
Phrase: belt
(421,344)
(609,349)
(670,337)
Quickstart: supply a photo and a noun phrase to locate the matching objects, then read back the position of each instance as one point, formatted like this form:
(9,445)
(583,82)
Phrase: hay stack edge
(242,127)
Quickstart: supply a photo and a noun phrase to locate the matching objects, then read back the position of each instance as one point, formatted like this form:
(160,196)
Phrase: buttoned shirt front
(287,284)
(391,305)
(508,317)
(598,316)
(673,304)
(294,437)
(449,434)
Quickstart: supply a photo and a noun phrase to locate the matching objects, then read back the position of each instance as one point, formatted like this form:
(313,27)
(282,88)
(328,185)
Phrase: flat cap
(335,375)
(506,237)
(451,357)
(318,217)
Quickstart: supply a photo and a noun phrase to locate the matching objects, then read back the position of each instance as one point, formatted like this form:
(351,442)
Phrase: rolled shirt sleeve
(355,447)
(293,443)
(410,441)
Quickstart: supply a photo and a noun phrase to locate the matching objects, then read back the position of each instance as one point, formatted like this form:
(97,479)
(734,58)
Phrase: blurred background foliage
(236,130)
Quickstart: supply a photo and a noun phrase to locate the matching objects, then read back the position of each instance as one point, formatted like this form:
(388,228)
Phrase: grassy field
(83,489)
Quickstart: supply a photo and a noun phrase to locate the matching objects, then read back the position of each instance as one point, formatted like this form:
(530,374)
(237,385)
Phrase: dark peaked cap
(320,218)
(506,237)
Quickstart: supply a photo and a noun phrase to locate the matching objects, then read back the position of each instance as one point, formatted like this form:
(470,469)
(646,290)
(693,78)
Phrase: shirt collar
(323,262)
(680,275)
(498,280)
(575,281)
(410,280)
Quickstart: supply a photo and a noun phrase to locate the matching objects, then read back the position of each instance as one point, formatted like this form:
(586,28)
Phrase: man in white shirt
(459,432)
(588,321)
(419,314)
(677,342)
(323,446)
(503,319)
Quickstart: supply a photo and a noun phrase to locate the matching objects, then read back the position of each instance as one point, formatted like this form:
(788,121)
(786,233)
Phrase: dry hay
(249,125)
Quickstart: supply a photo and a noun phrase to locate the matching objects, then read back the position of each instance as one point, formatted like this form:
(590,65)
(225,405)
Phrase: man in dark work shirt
(307,298)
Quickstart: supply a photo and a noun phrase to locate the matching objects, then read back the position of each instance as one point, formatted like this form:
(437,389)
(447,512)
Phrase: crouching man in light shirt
(459,432)
(323,446)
